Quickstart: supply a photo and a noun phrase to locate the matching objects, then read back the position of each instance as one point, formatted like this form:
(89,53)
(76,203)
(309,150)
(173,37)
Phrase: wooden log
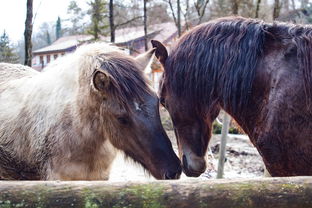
(267,192)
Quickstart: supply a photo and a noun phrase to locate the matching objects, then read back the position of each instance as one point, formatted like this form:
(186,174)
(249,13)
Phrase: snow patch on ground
(242,161)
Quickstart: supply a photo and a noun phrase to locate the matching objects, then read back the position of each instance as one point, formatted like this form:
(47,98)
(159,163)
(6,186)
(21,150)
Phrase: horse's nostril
(172,175)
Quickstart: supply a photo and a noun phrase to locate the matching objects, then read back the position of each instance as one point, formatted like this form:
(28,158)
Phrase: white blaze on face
(137,106)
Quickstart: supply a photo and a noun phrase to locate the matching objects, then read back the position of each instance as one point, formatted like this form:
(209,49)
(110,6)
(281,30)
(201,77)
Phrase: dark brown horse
(260,73)
(66,123)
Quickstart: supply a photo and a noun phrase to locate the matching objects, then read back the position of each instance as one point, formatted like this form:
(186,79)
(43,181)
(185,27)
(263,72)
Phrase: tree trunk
(145,24)
(179,17)
(187,14)
(111,20)
(293,192)
(28,33)
(276,9)
(235,7)
(257,8)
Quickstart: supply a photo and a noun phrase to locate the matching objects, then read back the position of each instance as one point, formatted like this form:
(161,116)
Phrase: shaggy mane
(128,80)
(219,59)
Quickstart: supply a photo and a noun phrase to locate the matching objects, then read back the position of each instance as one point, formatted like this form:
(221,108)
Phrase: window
(55,56)
(41,60)
(48,58)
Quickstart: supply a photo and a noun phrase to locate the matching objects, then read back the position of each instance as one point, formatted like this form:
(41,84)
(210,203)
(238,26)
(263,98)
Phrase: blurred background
(54,28)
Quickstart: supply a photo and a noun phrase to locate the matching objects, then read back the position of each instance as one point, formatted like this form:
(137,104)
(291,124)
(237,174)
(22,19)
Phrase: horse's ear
(101,80)
(161,51)
(145,59)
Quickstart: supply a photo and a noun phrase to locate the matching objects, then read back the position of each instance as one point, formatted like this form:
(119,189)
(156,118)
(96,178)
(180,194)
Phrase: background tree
(48,38)
(58,28)
(28,33)
(276,9)
(257,8)
(111,20)
(7,53)
(76,20)
(98,18)
(44,36)
(145,23)
(123,15)
(179,18)
(235,7)
(174,13)
(200,6)
(154,9)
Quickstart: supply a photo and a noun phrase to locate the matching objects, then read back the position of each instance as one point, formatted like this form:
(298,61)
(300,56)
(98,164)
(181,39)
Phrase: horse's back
(10,72)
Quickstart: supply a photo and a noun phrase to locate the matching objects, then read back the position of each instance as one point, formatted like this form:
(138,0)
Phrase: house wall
(37,63)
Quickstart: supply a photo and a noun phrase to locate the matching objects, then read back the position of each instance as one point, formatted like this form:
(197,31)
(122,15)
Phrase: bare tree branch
(200,7)
(186,14)
(172,12)
(127,22)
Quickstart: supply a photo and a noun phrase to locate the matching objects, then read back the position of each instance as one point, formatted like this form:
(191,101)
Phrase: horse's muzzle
(187,168)
(173,174)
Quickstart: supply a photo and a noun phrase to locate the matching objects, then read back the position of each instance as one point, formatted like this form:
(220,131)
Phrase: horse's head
(192,127)
(130,113)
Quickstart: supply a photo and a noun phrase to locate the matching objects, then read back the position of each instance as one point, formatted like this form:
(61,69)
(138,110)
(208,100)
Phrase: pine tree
(48,38)
(98,13)
(7,53)
(58,28)
(76,19)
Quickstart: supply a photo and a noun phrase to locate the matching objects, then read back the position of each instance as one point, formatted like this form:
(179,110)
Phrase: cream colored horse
(66,122)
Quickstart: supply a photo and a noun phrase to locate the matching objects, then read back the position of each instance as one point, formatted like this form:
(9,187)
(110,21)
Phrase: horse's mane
(127,79)
(219,59)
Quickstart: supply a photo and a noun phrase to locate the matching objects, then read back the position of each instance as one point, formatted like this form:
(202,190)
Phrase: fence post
(224,134)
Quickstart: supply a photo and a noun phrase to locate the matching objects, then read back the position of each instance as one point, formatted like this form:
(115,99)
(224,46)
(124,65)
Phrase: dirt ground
(242,159)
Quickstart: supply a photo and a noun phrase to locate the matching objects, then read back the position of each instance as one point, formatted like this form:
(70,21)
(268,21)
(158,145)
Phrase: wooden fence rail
(267,192)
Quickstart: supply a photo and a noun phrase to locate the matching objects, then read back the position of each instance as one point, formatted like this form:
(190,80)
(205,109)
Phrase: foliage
(48,38)
(307,13)
(216,129)
(98,12)
(7,53)
(44,37)
(76,19)
(58,28)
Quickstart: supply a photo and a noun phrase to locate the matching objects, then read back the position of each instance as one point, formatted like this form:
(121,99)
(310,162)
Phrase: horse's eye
(162,101)
(123,120)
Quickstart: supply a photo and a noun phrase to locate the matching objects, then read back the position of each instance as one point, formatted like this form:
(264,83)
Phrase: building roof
(64,43)
(131,33)
(161,32)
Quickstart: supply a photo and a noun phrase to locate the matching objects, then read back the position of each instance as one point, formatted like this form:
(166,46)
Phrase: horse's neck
(248,118)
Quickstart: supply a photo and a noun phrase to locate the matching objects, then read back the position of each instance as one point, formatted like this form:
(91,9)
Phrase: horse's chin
(190,173)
